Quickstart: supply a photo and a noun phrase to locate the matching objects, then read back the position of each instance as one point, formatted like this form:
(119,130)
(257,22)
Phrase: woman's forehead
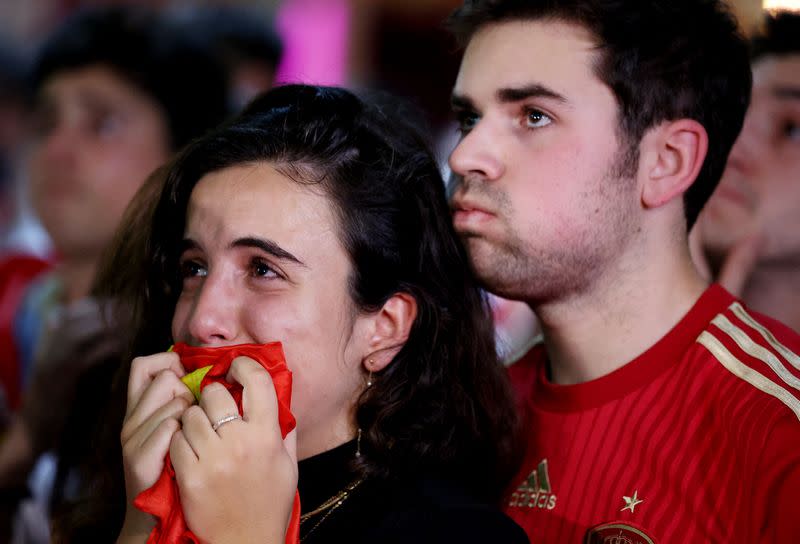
(258,201)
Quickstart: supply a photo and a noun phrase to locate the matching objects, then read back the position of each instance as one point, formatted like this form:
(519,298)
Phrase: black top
(420,509)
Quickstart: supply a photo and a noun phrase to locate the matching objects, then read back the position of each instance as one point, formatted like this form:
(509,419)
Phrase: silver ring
(224,420)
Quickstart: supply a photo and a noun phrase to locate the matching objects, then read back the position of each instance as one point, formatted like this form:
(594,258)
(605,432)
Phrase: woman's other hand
(237,483)
(157,399)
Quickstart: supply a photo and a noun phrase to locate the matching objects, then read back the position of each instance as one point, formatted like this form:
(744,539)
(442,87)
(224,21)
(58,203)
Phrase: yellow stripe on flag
(194,379)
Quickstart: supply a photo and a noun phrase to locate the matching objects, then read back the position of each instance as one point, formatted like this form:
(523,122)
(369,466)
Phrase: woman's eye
(537,119)
(792,132)
(193,269)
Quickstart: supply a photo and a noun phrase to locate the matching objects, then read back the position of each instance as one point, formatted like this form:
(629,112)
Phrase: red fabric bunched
(162,500)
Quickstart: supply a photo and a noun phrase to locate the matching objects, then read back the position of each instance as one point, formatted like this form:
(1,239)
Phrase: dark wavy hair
(153,52)
(779,35)
(663,59)
(443,404)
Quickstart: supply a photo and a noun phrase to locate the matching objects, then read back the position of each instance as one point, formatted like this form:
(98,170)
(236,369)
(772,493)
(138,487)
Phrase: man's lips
(466,215)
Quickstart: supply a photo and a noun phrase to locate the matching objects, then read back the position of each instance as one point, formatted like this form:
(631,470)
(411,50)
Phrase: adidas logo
(535,491)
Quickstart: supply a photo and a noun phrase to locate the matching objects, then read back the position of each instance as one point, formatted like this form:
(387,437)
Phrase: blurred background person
(248,45)
(13,126)
(116,91)
(750,229)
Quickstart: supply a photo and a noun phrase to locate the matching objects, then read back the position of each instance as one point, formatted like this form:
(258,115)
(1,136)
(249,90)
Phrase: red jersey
(696,440)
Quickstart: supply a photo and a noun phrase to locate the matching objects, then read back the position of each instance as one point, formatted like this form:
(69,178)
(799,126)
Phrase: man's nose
(478,154)
(59,145)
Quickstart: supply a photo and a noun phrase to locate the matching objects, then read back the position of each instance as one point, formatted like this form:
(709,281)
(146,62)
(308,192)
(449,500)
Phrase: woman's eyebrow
(267,246)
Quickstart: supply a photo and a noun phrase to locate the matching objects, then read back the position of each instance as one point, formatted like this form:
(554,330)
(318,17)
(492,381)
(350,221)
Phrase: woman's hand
(237,483)
(156,401)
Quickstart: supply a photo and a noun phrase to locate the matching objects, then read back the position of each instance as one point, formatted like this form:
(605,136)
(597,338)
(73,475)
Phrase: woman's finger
(259,400)
(165,387)
(137,435)
(145,369)
(219,406)
(183,456)
(197,430)
(144,462)
(290,442)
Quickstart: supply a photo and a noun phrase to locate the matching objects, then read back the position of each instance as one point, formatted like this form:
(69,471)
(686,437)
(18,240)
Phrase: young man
(660,409)
(750,230)
(117,91)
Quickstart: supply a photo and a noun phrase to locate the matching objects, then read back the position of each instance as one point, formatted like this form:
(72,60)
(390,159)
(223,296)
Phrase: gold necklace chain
(330,506)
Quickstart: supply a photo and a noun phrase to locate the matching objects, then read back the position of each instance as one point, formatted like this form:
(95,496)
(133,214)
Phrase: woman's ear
(673,153)
(390,329)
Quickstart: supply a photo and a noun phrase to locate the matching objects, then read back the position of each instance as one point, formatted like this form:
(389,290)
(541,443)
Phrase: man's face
(543,206)
(97,140)
(760,190)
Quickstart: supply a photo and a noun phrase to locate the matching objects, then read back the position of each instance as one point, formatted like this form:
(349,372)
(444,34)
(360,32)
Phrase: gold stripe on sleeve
(785,352)
(756,350)
(751,376)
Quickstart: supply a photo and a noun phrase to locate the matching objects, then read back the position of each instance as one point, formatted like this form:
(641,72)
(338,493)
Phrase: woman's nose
(214,315)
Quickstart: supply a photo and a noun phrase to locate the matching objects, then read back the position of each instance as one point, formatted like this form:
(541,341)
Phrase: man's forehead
(519,54)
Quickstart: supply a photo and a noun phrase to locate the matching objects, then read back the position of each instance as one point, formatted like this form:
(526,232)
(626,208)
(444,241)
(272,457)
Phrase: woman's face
(262,262)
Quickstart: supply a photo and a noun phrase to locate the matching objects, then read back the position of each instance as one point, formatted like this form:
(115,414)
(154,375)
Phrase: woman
(320,221)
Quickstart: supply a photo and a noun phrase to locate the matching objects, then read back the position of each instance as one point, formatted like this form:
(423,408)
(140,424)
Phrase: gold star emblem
(632,502)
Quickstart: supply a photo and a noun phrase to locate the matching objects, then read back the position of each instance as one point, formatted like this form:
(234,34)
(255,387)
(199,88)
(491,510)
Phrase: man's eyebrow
(509,95)
(517,94)
(461,102)
(267,246)
(791,93)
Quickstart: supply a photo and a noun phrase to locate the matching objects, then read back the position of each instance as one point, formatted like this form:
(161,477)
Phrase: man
(659,409)
(750,230)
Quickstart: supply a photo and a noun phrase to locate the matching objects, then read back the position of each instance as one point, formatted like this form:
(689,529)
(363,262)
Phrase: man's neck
(618,318)
(774,290)
(76,276)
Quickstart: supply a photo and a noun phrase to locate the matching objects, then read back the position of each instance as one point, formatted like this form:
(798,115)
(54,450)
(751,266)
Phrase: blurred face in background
(760,190)
(97,139)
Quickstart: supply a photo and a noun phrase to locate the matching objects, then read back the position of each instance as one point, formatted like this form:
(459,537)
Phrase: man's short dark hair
(780,35)
(663,60)
(180,72)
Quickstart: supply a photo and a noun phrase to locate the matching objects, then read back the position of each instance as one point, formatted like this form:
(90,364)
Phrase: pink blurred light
(315,35)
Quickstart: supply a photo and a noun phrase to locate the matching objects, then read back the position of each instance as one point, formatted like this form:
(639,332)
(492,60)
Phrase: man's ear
(671,157)
(390,329)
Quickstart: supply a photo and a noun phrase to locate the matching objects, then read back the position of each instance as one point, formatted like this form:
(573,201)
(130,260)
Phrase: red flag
(162,500)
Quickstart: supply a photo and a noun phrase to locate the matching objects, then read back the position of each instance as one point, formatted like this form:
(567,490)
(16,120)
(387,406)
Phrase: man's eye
(537,119)
(466,121)
(193,269)
(106,124)
(260,268)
